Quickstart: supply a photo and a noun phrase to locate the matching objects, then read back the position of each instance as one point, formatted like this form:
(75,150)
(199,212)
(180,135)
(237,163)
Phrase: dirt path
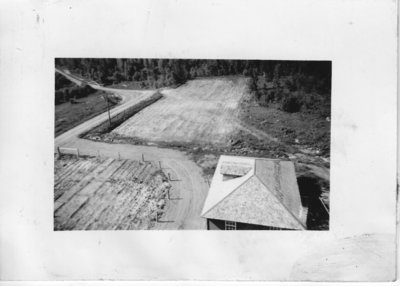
(259,134)
(190,188)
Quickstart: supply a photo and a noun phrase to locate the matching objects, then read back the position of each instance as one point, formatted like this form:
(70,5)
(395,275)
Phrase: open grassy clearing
(300,130)
(106,194)
(203,111)
(69,115)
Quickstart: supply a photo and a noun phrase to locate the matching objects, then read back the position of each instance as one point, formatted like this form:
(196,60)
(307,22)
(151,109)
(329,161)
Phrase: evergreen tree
(178,72)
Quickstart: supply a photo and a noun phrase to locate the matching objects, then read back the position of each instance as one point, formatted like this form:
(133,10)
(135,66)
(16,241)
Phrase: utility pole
(108,109)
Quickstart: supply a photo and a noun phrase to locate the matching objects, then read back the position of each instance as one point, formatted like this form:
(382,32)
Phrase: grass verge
(68,115)
(118,119)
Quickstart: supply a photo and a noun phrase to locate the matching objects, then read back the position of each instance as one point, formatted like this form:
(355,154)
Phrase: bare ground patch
(201,111)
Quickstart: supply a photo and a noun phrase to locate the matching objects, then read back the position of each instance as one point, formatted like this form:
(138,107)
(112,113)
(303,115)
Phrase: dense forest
(294,85)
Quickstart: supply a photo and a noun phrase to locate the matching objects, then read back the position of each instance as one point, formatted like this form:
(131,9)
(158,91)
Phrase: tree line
(166,72)
(292,84)
(307,89)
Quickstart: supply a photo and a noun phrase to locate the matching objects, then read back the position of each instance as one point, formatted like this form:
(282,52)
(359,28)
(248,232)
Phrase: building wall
(215,224)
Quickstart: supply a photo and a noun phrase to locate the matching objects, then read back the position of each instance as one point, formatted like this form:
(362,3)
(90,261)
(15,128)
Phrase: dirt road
(190,188)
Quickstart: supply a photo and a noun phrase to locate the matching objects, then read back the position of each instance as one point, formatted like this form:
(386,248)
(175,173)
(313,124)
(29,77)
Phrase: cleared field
(105,194)
(200,111)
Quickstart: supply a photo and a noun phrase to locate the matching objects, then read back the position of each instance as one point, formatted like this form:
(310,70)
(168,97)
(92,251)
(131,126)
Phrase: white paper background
(358,36)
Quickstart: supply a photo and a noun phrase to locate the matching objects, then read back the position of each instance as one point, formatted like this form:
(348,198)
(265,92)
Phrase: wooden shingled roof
(267,195)
(235,168)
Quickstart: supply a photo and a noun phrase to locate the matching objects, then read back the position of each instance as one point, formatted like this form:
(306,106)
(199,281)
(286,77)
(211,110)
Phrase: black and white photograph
(191,144)
(199,142)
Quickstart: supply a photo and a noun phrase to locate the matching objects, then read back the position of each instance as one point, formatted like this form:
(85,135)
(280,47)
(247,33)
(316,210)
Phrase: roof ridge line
(223,198)
(298,220)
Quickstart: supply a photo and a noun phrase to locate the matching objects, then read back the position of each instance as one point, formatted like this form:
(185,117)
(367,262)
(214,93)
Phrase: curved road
(189,186)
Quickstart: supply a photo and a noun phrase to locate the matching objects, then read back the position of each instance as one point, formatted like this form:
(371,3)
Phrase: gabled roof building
(254,193)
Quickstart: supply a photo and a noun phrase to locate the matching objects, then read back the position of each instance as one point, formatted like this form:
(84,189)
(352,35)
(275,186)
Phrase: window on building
(230,225)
